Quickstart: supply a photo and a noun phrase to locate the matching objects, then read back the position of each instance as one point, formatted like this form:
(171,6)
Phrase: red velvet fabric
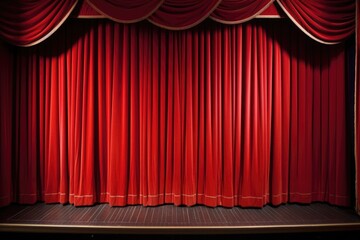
(126,10)
(273,11)
(323,20)
(132,114)
(236,11)
(177,15)
(84,10)
(44,123)
(26,23)
(29,22)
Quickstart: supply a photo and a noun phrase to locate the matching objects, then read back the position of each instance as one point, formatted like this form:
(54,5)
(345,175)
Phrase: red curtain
(126,10)
(323,20)
(228,9)
(132,114)
(84,10)
(26,23)
(176,15)
(237,11)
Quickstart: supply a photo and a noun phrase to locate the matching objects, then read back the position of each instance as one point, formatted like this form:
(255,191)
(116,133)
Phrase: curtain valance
(126,11)
(323,20)
(238,11)
(26,23)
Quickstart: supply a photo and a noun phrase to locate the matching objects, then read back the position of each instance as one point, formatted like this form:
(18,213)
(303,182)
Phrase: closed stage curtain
(134,114)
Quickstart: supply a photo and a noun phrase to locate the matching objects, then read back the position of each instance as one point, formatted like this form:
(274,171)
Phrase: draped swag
(218,115)
(126,10)
(325,21)
(27,23)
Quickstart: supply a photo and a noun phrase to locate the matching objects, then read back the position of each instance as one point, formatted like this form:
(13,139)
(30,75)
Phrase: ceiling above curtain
(26,23)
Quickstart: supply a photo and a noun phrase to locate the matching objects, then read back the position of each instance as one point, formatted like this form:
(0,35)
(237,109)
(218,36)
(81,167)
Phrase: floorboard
(172,220)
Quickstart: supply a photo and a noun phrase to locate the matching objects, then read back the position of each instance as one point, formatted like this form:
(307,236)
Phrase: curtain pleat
(240,115)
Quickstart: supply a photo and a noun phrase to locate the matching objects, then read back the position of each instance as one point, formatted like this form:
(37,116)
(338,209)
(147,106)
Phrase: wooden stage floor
(171,220)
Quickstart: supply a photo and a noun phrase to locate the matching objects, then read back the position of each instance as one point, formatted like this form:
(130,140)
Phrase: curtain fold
(178,15)
(235,11)
(27,23)
(126,11)
(84,10)
(325,21)
(133,114)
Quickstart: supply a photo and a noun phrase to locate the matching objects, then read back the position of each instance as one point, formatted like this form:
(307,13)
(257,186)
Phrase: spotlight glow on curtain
(133,114)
